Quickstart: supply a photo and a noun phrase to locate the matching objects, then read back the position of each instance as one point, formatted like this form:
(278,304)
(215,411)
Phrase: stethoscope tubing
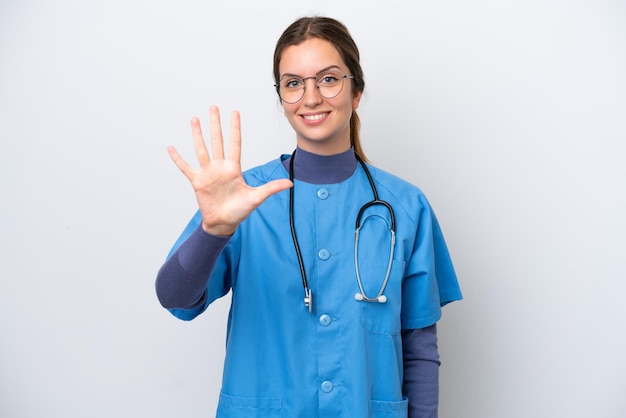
(308,299)
(362,296)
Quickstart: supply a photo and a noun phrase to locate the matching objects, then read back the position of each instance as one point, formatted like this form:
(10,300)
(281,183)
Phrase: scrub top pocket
(385,409)
(244,407)
(384,318)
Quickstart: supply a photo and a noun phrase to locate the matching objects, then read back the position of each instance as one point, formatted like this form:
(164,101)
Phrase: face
(322,125)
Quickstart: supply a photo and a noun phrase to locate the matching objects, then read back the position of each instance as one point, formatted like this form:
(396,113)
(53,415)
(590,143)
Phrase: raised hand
(224,198)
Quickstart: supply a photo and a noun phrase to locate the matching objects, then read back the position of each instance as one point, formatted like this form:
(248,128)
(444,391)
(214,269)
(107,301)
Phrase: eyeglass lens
(329,84)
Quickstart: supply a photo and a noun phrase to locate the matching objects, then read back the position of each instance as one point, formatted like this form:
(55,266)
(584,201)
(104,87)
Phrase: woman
(324,322)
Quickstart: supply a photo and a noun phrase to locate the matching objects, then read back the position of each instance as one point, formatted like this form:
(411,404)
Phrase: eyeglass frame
(303,79)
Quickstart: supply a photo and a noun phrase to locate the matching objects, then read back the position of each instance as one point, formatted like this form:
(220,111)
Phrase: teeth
(315,117)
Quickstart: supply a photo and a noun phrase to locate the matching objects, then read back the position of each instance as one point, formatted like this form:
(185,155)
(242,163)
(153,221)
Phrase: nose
(312,96)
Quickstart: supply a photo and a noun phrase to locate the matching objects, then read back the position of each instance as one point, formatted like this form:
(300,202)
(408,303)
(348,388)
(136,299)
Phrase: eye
(292,83)
(328,79)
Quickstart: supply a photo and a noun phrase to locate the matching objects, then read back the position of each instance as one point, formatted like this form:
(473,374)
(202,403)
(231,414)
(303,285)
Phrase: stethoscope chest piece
(360,297)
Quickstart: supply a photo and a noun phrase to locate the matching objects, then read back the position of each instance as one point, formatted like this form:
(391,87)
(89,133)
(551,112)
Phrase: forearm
(182,280)
(421,371)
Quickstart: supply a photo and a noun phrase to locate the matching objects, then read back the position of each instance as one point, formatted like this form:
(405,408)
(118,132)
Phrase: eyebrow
(318,73)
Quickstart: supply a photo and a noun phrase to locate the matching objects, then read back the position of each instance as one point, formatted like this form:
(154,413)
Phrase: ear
(356,99)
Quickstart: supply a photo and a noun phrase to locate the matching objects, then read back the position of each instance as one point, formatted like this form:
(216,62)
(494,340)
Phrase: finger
(273,187)
(180,163)
(217,143)
(198,142)
(234,149)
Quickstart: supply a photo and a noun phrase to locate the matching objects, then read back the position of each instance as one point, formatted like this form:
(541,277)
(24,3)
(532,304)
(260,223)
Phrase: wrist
(219,230)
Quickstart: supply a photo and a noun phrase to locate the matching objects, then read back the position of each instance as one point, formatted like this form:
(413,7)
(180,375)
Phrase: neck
(322,169)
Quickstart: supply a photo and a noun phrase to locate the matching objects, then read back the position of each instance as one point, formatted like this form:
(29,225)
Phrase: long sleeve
(182,280)
(421,371)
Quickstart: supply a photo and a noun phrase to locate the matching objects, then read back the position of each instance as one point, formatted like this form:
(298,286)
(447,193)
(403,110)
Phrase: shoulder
(265,173)
(402,194)
(393,185)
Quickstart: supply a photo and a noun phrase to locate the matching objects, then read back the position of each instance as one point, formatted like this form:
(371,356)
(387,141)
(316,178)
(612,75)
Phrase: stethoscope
(360,295)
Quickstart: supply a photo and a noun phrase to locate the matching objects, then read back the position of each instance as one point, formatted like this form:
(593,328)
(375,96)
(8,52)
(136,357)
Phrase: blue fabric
(282,360)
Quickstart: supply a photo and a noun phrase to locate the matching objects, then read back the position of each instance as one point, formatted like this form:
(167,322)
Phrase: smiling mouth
(318,116)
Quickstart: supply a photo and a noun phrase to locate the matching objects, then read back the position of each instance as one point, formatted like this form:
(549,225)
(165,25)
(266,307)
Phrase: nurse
(307,335)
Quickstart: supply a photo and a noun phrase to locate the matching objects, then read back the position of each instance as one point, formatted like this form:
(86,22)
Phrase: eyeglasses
(329,84)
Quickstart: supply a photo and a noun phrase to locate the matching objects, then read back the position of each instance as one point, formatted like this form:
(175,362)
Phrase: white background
(510,115)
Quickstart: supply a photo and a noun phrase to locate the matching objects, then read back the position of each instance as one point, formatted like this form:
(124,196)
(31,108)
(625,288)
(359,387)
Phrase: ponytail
(355,140)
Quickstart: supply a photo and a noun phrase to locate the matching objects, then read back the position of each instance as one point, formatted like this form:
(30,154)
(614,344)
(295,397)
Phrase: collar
(322,169)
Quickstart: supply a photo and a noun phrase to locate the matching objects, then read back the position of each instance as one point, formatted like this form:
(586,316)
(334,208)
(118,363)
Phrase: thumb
(273,187)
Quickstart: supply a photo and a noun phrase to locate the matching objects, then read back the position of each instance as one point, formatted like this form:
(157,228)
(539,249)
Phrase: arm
(182,280)
(224,201)
(421,371)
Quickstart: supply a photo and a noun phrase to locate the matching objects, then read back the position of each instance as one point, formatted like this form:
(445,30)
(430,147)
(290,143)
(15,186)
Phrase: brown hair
(337,34)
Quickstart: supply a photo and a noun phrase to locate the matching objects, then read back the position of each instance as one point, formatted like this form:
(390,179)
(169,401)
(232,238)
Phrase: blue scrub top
(345,358)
